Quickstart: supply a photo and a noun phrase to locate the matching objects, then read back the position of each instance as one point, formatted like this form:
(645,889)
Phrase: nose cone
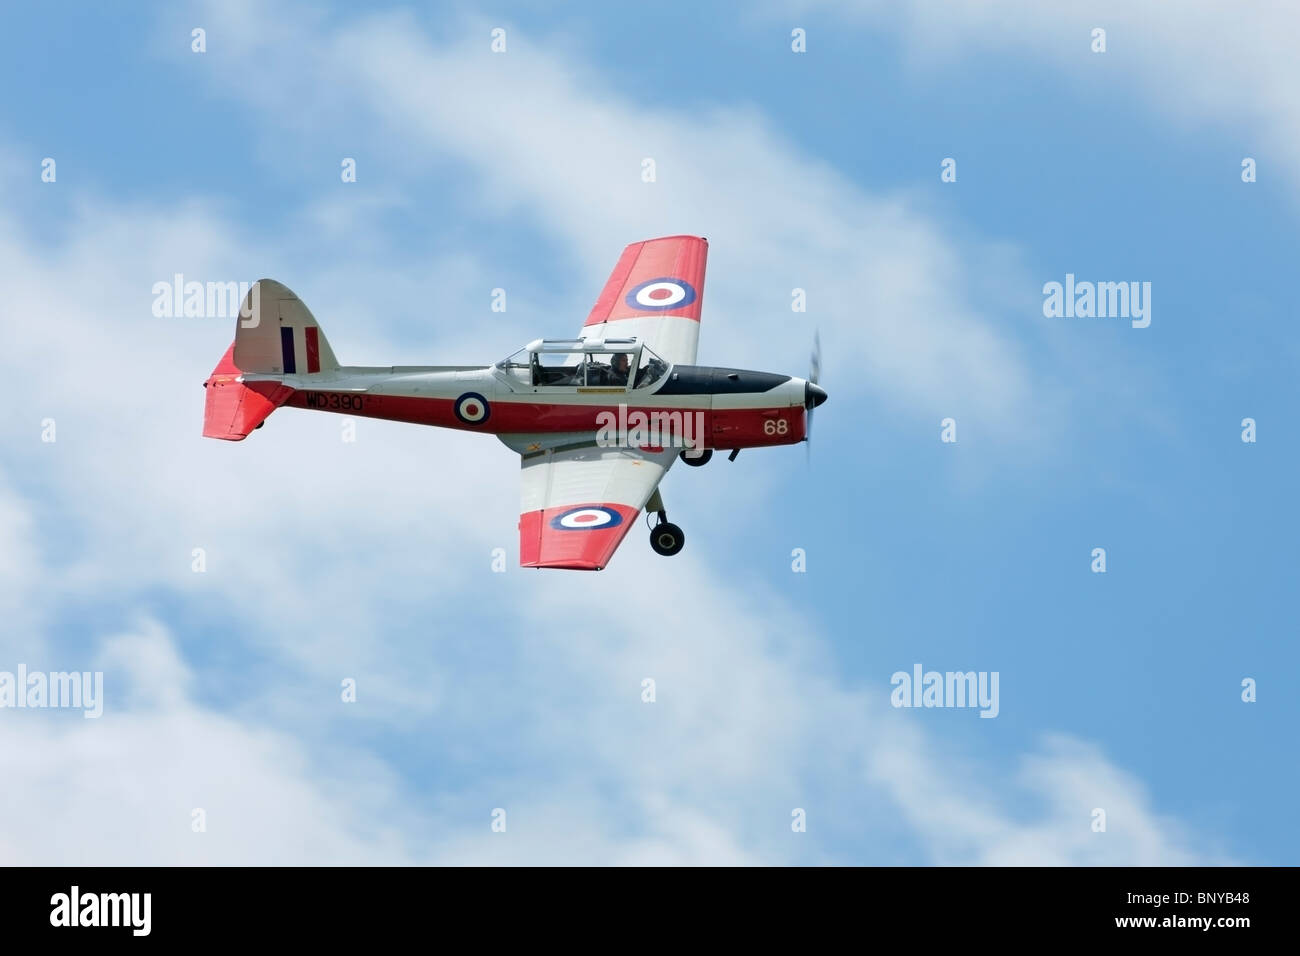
(814,395)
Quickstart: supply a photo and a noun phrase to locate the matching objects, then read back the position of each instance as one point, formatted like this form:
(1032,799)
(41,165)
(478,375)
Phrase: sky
(501,717)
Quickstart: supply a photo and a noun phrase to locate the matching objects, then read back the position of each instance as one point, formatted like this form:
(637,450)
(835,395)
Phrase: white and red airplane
(597,421)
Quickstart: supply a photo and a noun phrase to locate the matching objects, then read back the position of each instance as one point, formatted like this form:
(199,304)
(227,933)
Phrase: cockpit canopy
(587,363)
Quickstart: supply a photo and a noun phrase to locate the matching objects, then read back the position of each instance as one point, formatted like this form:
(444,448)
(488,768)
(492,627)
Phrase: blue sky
(372,560)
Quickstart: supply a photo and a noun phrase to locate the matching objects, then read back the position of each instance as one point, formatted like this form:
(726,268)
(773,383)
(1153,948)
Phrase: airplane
(597,421)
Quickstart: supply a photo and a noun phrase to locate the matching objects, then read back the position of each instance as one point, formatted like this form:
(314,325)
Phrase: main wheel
(667,539)
(696,458)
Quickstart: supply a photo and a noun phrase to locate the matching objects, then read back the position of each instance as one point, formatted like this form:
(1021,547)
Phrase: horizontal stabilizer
(232,409)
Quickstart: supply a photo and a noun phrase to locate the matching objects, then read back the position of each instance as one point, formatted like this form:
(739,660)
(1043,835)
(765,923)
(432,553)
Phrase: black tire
(667,539)
(703,459)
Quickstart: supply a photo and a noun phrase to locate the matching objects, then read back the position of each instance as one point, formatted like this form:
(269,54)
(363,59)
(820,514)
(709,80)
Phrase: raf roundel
(659,295)
(586,519)
(472,408)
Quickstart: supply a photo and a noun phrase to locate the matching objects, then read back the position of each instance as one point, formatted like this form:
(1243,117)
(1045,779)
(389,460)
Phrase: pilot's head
(620,361)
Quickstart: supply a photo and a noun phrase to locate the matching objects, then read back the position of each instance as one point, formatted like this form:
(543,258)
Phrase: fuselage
(716,408)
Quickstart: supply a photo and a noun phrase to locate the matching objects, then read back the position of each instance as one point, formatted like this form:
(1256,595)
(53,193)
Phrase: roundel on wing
(660,295)
(586,519)
(472,408)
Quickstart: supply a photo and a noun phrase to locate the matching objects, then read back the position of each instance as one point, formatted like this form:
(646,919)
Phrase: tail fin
(278,335)
(275,335)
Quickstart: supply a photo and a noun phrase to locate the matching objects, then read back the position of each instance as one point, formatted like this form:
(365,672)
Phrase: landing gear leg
(665,538)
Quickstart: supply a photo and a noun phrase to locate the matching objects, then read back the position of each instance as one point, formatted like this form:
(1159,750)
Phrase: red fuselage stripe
(722,427)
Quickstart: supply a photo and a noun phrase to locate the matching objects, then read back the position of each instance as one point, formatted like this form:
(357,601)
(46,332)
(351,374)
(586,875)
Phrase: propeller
(813,394)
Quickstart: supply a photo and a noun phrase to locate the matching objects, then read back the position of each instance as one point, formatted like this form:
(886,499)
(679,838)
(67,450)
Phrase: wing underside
(579,502)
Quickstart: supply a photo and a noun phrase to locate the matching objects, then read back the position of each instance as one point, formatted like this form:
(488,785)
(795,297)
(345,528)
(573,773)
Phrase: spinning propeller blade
(814,394)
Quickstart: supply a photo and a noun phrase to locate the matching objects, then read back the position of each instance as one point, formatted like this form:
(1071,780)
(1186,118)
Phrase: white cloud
(20,567)
(1211,66)
(707,774)
(121,789)
(1061,784)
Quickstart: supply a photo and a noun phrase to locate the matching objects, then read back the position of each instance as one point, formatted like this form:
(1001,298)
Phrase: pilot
(618,369)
